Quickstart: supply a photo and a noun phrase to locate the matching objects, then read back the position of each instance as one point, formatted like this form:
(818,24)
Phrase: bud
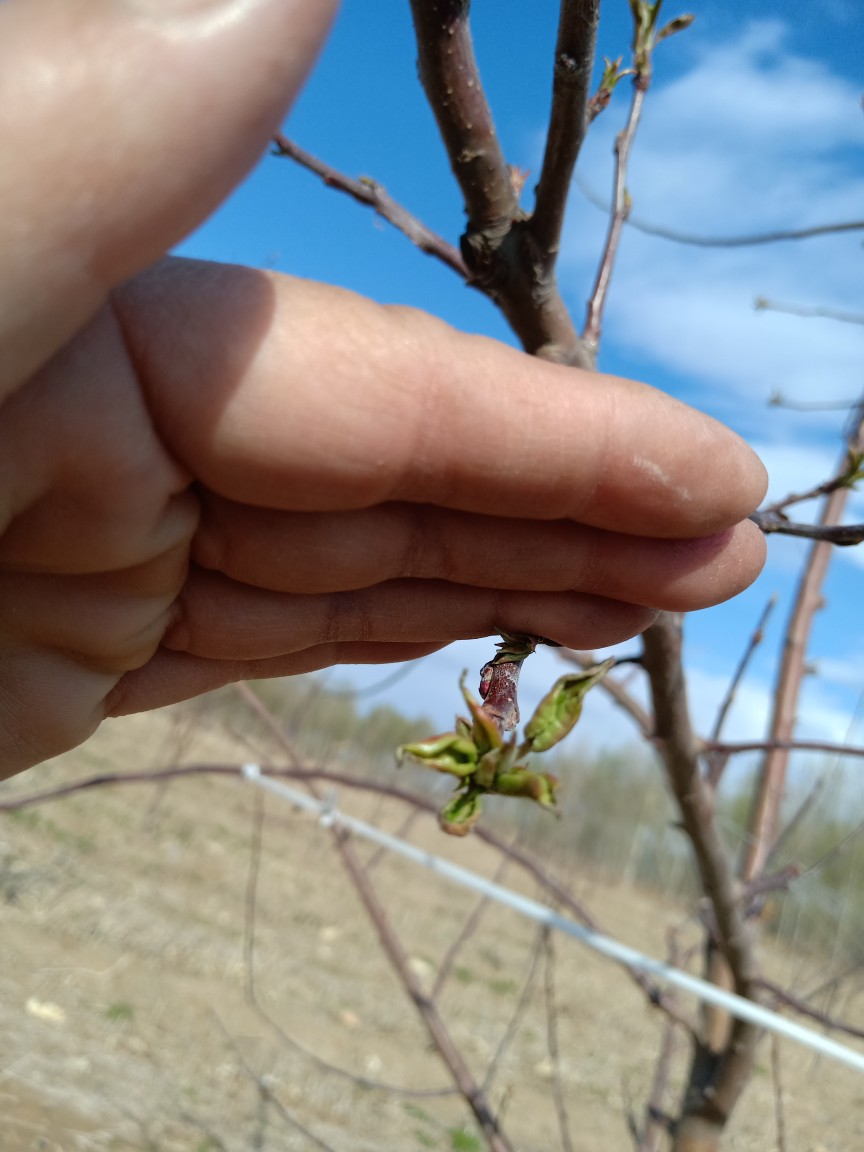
(459,816)
(561,707)
(451,753)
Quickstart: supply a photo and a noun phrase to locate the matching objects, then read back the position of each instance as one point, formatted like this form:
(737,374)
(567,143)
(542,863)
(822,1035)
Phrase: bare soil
(124,1014)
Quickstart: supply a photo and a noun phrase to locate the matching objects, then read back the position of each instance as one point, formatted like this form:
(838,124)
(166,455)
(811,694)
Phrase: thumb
(124,125)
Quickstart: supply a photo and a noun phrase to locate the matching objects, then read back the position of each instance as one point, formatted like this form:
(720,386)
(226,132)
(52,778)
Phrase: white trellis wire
(329,815)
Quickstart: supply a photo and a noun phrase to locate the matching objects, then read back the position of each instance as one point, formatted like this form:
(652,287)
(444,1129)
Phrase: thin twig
(818,312)
(265,1093)
(250,899)
(354,1078)
(249,917)
(465,933)
(362,880)
(411,818)
(371,193)
(717,763)
(835,850)
(803,1008)
(574,61)
(434,1023)
(759,886)
(621,206)
(840,479)
(734,748)
(841,535)
(656,1126)
(552,1041)
(777,1081)
(756,638)
(778,400)
(519,1011)
(797,818)
(831,983)
(699,240)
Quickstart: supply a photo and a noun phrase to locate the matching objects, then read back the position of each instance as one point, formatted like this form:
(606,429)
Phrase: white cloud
(751,138)
(751,90)
(795,467)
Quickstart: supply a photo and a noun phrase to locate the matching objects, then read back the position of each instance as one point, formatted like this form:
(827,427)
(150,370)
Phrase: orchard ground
(123,1011)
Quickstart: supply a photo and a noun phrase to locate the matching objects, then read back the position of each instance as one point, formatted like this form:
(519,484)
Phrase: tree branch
(435,1026)
(717,1078)
(266,1093)
(450,77)
(761,304)
(698,240)
(841,535)
(718,762)
(552,1041)
(778,400)
(518,1012)
(781,996)
(765,815)
(498,247)
(568,121)
(658,1125)
(467,930)
(841,479)
(369,192)
(621,206)
(779,1108)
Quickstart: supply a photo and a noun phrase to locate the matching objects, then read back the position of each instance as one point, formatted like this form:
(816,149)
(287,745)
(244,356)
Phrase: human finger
(301,396)
(341,551)
(127,124)
(220,619)
(173,676)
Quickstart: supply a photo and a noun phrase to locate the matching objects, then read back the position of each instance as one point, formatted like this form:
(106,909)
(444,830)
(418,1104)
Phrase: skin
(209,473)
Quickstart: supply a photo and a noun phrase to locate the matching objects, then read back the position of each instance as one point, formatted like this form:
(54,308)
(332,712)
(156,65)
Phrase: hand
(209,473)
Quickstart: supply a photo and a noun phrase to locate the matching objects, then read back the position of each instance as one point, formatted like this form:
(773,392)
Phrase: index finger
(287,394)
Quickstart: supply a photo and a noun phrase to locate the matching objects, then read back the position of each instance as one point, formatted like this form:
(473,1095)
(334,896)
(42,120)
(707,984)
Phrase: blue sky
(753,124)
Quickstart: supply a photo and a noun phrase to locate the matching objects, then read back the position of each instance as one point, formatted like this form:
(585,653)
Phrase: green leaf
(854,470)
(677,25)
(537,786)
(561,707)
(459,816)
(488,768)
(451,752)
(493,763)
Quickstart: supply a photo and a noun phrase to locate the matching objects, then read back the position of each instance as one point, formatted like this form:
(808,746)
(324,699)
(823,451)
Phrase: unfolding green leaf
(677,25)
(451,752)
(492,763)
(537,786)
(459,816)
(561,707)
(854,470)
